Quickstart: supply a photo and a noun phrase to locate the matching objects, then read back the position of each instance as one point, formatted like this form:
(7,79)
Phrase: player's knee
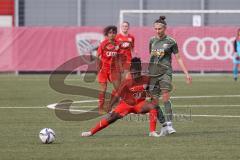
(144,110)
(165,96)
(154,101)
(103,87)
(113,117)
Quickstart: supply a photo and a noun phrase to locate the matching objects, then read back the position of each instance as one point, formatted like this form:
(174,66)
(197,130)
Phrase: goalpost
(201,12)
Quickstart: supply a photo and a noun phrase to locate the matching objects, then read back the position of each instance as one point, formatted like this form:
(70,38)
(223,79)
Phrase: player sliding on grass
(132,94)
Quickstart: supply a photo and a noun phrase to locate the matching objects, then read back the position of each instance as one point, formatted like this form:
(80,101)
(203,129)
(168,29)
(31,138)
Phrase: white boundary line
(214,116)
(207,106)
(84,111)
(174,97)
(32,107)
(174,106)
(210,96)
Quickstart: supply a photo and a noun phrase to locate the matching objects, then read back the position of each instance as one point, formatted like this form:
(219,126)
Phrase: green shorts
(159,83)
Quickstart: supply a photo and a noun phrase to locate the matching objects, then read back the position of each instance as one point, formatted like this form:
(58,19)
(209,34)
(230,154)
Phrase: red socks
(102,124)
(152,120)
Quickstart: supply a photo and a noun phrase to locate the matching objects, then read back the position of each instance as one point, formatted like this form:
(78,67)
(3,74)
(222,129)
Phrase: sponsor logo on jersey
(158,52)
(111,53)
(137,95)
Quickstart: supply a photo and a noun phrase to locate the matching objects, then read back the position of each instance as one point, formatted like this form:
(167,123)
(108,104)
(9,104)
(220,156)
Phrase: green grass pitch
(197,138)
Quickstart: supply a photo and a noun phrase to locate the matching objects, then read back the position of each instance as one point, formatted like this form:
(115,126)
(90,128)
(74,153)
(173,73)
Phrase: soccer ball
(47,135)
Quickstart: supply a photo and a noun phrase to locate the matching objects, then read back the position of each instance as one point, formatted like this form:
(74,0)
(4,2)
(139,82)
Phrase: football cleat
(164,131)
(154,134)
(170,128)
(86,134)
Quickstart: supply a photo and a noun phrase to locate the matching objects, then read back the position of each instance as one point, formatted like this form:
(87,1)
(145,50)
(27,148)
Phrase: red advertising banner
(46,48)
(7,9)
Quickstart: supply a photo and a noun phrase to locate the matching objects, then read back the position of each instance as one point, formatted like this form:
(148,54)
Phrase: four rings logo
(87,44)
(208,48)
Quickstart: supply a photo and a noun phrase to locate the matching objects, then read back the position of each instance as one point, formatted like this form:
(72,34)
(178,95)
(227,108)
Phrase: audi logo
(208,48)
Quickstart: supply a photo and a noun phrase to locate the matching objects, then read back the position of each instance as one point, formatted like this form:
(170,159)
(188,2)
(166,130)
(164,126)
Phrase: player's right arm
(150,46)
(119,93)
(133,47)
(98,60)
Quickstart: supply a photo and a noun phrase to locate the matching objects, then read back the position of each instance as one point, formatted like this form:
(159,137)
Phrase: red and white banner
(6,13)
(202,48)
(46,48)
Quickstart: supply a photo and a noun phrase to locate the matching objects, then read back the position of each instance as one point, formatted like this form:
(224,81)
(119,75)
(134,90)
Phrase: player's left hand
(188,79)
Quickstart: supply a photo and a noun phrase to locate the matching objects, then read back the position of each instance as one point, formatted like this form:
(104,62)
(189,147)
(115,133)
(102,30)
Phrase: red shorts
(124,109)
(106,75)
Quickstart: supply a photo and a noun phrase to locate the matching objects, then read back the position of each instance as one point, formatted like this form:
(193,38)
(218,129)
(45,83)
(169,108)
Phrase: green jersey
(161,51)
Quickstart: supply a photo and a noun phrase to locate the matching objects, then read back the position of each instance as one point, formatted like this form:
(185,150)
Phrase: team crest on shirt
(116,47)
(130,39)
(110,47)
(166,45)
(125,44)
(87,44)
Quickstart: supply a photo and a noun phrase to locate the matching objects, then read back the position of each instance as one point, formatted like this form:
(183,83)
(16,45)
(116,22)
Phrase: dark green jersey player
(161,51)
(161,48)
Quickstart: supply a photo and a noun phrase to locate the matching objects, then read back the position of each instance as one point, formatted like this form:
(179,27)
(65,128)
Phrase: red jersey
(130,96)
(126,44)
(108,52)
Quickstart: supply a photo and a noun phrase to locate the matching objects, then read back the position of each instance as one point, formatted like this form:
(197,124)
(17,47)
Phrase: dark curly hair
(136,64)
(108,29)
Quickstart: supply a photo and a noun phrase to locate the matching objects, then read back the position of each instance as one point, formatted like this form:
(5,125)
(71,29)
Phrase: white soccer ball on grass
(47,135)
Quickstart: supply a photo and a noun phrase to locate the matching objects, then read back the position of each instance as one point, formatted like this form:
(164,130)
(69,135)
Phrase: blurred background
(103,12)
(40,35)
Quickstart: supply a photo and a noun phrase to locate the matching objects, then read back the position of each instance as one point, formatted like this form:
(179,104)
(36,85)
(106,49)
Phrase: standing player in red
(133,100)
(127,46)
(107,67)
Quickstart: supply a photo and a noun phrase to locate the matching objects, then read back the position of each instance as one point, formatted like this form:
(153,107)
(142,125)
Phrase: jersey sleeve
(150,45)
(100,50)
(175,48)
(133,42)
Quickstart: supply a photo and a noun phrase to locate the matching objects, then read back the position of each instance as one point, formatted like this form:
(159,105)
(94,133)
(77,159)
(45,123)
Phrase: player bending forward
(133,100)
